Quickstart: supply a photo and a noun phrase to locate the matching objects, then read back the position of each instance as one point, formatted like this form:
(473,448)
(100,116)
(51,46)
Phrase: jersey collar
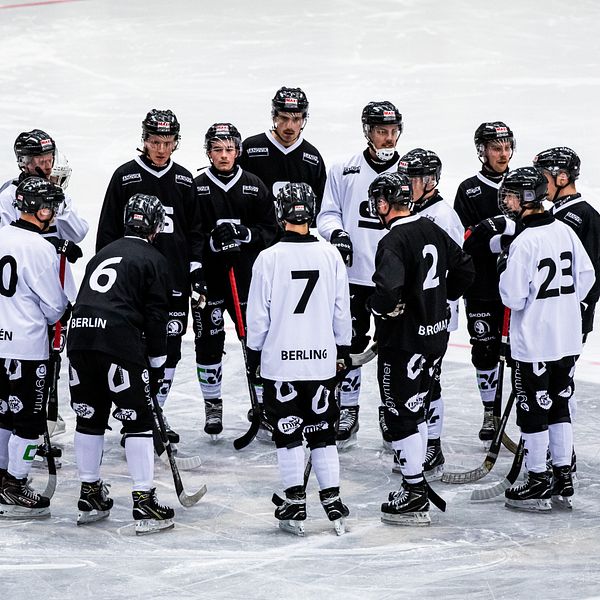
(562,202)
(224,186)
(158,174)
(271,137)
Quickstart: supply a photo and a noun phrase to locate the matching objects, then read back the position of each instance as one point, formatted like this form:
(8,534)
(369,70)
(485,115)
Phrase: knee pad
(317,437)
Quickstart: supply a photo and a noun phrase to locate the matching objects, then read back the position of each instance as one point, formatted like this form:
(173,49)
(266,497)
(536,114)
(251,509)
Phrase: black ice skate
(433,467)
(291,512)
(562,487)
(19,501)
(488,430)
(347,427)
(213,424)
(149,515)
(336,510)
(408,506)
(94,503)
(533,495)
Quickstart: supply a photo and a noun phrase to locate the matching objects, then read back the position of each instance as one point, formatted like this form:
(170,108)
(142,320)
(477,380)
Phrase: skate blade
(292,526)
(343,445)
(564,502)
(414,519)
(148,526)
(264,435)
(214,437)
(533,505)
(13,511)
(339,526)
(91,516)
(434,474)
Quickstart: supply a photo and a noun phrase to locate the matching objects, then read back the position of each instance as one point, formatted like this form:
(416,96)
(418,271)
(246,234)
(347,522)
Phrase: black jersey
(419,264)
(477,199)
(182,239)
(584,219)
(239,197)
(277,165)
(122,305)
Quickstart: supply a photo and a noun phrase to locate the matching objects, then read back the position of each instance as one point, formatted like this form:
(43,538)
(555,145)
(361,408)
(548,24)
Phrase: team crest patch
(85,411)
(3,407)
(543,399)
(15,404)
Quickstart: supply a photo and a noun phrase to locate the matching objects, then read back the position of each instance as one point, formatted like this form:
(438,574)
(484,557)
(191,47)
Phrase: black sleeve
(461,272)
(320,189)
(264,222)
(157,308)
(389,279)
(195,232)
(110,223)
(461,208)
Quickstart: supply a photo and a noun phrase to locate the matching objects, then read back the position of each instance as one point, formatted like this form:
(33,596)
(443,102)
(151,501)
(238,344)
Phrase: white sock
(487,382)
(291,466)
(326,464)
(165,388)
(140,461)
(210,377)
(350,388)
(435,421)
(424,438)
(412,452)
(561,443)
(21,453)
(4,437)
(536,448)
(88,452)
(573,407)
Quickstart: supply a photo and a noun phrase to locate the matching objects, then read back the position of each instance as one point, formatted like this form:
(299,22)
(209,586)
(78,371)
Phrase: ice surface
(88,71)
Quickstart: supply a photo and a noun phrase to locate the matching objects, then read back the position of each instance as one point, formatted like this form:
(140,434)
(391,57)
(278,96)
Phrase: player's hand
(199,290)
(341,240)
(343,360)
(156,376)
(253,366)
(71,250)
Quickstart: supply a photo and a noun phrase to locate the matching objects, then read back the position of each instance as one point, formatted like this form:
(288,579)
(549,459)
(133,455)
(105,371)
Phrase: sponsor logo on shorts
(289,424)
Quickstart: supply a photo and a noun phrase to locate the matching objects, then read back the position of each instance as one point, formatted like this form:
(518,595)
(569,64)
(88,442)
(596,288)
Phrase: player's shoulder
(351,165)
(260,139)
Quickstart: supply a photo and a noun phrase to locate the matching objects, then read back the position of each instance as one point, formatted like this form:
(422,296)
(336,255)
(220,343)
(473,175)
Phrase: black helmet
(419,162)
(32,143)
(395,188)
(144,215)
(528,184)
(490,132)
(381,113)
(296,203)
(289,100)
(34,193)
(222,131)
(160,122)
(559,159)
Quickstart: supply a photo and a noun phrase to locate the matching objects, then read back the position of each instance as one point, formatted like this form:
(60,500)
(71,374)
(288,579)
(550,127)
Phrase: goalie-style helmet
(144,215)
(61,171)
(35,193)
(419,163)
(395,188)
(222,131)
(32,143)
(296,203)
(160,122)
(290,100)
(528,185)
(492,131)
(559,159)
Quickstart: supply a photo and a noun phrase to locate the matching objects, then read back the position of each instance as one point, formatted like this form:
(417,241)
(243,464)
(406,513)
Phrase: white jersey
(299,309)
(31,297)
(548,274)
(346,206)
(68,225)
(443,215)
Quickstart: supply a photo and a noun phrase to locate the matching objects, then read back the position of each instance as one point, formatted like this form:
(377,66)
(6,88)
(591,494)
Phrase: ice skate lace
(213,413)
(347,419)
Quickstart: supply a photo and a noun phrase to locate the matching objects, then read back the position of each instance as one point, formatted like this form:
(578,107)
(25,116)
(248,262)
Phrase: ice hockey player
(424,169)
(182,239)
(117,347)
(299,325)
(238,213)
(418,268)
(282,155)
(37,155)
(31,299)
(544,277)
(345,221)
(476,200)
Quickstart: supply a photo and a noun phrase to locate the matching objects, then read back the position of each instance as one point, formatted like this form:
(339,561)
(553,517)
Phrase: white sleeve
(342,320)
(330,216)
(8,212)
(53,300)
(258,317)
(514,282)
(69,225)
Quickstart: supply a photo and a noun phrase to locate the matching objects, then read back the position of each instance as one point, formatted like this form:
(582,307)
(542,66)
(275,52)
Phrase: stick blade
(245,439)
(188,500)
(467,476)
(491,492)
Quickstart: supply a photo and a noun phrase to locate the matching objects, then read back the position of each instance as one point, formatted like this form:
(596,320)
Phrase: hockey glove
(226,234)
(70,249)
(64,320)
(501,262)
(156,376)
(253,366)
(199,289)
(343,360)
(341,240)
